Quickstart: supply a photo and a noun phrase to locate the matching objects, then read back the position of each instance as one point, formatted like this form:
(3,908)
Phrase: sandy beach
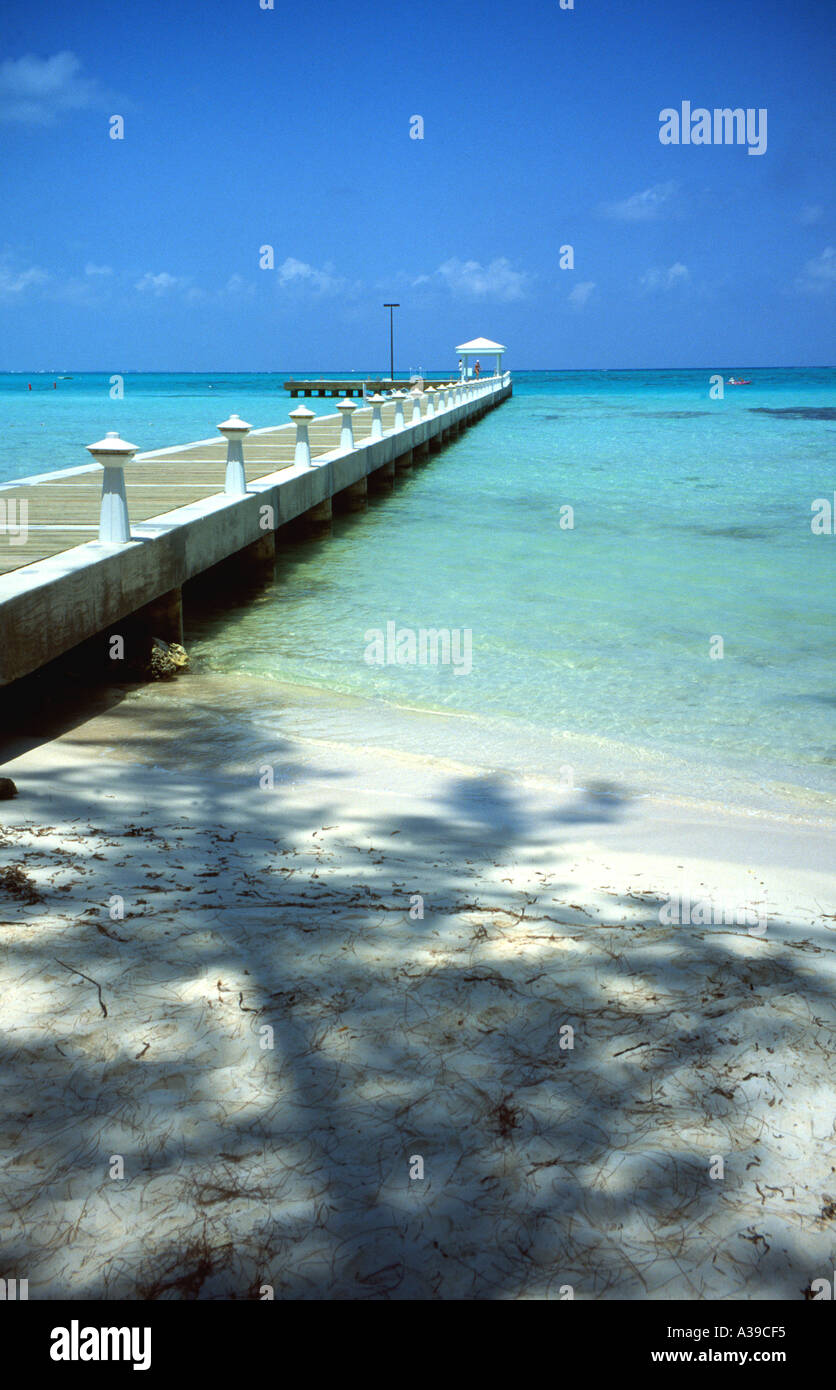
(268,968)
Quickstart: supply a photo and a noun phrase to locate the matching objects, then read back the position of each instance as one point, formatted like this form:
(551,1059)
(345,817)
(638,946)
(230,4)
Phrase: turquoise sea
(691,522)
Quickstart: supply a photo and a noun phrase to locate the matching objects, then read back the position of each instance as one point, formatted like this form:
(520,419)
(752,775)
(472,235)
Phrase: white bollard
(301,418)
(346,409)
(430,400)
(399,397)
(416,395)
(113,453)
(235,431)
(376,402)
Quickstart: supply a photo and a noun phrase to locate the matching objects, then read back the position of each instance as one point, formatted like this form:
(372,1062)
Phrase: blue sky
(246,127)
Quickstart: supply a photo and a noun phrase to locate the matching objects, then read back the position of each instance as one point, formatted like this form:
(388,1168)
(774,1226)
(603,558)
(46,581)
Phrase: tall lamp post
(390,307)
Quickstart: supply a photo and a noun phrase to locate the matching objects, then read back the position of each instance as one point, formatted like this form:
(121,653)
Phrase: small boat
(738,381)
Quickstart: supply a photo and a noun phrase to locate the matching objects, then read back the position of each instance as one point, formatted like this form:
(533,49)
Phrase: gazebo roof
(481,345)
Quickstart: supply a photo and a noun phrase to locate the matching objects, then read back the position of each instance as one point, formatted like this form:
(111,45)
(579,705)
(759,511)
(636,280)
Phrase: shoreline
(510,746)
(407,742)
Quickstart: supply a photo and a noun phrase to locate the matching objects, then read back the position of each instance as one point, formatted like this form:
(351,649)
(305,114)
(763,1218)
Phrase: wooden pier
(324,386)
(69,573)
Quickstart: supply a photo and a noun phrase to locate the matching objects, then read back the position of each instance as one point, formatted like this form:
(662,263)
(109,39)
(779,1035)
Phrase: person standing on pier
(476,367)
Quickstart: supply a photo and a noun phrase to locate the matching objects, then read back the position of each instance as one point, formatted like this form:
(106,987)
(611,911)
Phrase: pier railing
(113,453)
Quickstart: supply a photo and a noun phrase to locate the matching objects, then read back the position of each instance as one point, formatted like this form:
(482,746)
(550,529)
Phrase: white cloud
(299,273)
(810,214)
(235,289)
(660,279)
(34,91)
(644,206)
(158,284)
(100,282)
(237,285)
(498,280)
(819,274)
(15,282)
(580,294)
(82,291)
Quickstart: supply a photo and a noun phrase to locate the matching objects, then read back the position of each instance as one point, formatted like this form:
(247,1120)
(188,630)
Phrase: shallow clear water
(48,427)
(691,522)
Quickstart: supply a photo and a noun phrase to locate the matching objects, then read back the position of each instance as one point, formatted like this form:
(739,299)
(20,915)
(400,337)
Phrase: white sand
(394,1036)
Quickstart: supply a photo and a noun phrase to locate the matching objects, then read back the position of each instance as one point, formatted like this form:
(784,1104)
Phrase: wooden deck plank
(40,546)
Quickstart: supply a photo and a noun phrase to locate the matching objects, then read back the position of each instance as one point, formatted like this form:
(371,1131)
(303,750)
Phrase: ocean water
(48,427)
(684,608)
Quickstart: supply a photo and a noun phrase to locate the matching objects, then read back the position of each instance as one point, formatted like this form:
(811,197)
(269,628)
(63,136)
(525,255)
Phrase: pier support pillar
(253,565)
(123,650)
(259,555)
(383,478)
(354,497)
(317,520)
(163,617)
(403,464)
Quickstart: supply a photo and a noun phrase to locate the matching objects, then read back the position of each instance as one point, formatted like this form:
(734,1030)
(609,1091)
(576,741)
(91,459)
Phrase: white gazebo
(480,347)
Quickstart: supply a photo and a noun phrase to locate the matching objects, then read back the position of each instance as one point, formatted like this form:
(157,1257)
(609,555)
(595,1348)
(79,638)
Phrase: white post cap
(377,399)
(301,414)
(111,450)
(347,404)
(234,427)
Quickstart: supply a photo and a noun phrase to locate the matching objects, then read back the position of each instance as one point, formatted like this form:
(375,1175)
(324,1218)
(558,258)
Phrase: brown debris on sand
(17,883)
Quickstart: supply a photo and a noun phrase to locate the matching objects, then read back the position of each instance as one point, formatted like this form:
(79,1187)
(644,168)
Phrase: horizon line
(354,371)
